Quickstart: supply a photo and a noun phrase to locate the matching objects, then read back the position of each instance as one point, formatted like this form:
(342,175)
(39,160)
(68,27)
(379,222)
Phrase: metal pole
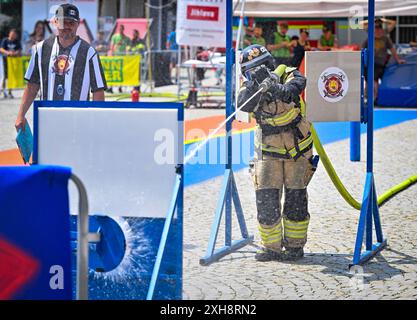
(160,25)
(239,32)
(229,111)
(178,71)
(237,53)
(349,33)
(371,54)
(229,81)
(397,31)
(82,243)
(355,141)
(164,237)
(148,45)
(123,10)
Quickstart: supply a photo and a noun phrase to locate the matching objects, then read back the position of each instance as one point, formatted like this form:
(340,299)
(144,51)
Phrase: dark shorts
(173,58)
(378,72)
(4,61)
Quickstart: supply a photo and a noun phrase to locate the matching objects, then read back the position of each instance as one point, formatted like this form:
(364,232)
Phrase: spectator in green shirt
(247,38)
(118,46)
(119,42)
(328,40)
(257,36)
(280,49)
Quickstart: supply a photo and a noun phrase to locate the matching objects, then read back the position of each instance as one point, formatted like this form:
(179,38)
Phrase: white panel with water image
(125,157)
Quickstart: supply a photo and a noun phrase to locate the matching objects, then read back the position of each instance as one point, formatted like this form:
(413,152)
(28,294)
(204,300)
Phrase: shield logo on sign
(333,84)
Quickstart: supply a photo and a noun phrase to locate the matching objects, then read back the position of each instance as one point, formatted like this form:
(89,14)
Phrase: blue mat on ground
(399,84)
(210,162)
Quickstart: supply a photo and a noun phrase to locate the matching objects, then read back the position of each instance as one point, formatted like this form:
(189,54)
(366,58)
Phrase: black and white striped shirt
(65,73)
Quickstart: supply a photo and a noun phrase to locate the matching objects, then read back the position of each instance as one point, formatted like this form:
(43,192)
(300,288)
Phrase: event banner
(121,70)
(201,23)
(16,68)
(118,70)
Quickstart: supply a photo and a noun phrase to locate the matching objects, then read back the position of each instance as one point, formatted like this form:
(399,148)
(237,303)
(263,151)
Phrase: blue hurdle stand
(369,214)
(355,127)
(175,206)
(355,141)
(229,194)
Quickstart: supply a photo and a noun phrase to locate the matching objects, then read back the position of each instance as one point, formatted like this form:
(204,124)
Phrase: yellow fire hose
(331,172)
(338,183)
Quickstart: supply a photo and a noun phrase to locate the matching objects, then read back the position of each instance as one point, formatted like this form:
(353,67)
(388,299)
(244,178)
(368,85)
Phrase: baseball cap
(68,11)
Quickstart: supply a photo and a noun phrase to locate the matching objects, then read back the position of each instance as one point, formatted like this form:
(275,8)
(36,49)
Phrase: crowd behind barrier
(127,61)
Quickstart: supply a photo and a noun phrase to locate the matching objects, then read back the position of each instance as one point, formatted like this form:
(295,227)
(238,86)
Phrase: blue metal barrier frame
(355,127)
(369,215)
(177,202)
(229,194)
(175,206)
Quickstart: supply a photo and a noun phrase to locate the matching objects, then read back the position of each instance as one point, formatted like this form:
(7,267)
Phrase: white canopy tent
(323,9)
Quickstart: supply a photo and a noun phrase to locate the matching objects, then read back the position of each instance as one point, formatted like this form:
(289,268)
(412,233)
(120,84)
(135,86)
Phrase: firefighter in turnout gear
(284,163)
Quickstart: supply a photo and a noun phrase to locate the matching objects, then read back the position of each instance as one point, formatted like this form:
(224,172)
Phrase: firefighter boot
(265,255)
(293,254)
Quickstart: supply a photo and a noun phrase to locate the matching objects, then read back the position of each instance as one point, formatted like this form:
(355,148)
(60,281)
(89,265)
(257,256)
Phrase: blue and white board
(125,154)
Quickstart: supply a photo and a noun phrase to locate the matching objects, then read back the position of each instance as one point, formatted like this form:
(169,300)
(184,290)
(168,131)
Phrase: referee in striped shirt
(63,67)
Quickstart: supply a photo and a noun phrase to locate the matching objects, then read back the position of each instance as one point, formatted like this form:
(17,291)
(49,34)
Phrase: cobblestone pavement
(8,113)
(323,273)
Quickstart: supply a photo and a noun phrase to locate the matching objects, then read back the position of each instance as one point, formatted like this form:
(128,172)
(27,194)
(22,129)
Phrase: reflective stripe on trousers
(295,233)
(302,145)
(271,236)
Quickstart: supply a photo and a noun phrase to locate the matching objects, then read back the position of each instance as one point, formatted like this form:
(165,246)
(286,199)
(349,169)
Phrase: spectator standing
(63,67)
(10,47)
(280,49)
(38,35)
(119,42)
(387,24)
(328,40)
(173,46)
(119,45)
(100,44)
(257,36)
(247,38)
(137,45)
(202,55)
(300,45)
(382,44)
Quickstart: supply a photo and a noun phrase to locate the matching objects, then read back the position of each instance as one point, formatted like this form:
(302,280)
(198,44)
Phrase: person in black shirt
(100,44)
(137,45)
(10,47)
(300,46)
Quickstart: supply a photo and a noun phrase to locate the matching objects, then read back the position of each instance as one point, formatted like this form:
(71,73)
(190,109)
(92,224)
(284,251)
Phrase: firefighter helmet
(255,56)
